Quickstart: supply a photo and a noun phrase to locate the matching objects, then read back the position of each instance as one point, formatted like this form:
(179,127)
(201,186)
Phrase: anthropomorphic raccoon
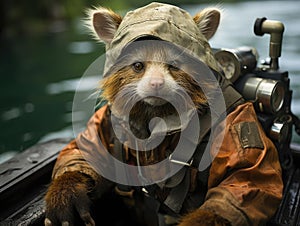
(160,80)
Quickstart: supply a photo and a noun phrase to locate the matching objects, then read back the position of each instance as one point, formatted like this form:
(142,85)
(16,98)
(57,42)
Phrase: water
(39,74)
(38,78)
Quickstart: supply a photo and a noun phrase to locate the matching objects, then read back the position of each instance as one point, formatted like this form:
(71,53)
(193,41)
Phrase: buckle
(128,194)
(180,162)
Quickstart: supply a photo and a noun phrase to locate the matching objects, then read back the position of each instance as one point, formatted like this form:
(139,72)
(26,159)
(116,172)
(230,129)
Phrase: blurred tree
(31,16)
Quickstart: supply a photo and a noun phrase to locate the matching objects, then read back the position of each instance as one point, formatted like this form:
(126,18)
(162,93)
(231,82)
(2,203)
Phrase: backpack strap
(232,99)
(178,193)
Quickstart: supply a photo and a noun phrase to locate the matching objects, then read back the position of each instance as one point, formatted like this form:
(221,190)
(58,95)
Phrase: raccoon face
(155,74)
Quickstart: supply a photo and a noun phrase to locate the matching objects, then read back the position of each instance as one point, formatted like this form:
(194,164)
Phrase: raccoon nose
(156,83)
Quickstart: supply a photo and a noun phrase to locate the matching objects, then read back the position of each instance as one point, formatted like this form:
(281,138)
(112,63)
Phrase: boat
(24,178)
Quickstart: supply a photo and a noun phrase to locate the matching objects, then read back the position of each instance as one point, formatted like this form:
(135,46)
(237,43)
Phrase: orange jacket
(244,183)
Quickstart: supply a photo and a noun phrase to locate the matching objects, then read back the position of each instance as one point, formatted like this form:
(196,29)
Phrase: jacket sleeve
(75,156)
(245,183)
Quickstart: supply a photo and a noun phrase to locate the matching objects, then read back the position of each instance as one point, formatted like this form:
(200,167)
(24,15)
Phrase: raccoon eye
(173,66)
(138,66)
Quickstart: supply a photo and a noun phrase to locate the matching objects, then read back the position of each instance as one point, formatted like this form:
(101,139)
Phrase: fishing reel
(265,85)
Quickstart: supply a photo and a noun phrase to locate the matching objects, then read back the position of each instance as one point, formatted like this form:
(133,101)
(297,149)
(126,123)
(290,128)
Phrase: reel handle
(275,29)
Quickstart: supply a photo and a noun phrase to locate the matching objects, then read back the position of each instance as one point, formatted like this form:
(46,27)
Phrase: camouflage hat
(165,22)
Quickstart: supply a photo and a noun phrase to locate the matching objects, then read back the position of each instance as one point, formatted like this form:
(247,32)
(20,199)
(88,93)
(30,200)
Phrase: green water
(39,74)
(30,67)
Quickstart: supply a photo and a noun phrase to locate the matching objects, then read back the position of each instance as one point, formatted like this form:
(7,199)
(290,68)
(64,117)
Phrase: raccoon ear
(208,21)
(103,23)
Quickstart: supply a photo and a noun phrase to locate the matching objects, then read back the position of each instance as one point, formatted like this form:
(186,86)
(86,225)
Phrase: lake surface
(41,74)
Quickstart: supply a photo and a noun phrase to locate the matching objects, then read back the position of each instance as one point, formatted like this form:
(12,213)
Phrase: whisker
(184,98)
(129,94)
